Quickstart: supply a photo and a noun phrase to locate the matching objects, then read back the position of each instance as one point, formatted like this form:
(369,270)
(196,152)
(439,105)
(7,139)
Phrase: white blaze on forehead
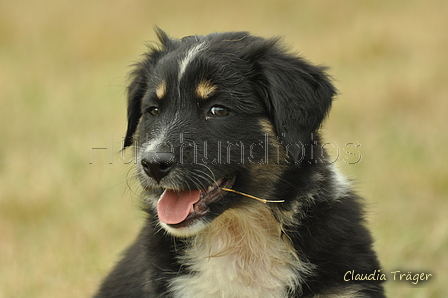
(188,58)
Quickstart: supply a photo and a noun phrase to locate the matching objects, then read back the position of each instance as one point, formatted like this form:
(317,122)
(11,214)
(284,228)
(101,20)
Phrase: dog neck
(243,253)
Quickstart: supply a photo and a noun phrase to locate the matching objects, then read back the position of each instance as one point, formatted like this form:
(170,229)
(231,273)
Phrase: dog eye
(219,111)
(154,111)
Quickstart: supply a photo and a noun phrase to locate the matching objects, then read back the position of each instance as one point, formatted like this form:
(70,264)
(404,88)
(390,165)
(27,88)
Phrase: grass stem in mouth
(252,197)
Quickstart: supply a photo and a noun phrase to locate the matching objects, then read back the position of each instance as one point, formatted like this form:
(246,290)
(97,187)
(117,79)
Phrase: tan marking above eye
(161,90)
(205,89)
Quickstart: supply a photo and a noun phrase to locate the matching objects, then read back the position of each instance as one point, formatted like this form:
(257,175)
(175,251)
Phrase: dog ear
(139,79)
(297,94)
(136,91)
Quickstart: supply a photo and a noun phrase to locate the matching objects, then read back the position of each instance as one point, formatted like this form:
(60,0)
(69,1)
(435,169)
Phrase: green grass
(63,221)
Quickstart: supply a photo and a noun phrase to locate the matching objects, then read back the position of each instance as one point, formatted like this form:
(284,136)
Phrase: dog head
(226,110)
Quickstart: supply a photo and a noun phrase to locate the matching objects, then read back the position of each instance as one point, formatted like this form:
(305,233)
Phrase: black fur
(258,82)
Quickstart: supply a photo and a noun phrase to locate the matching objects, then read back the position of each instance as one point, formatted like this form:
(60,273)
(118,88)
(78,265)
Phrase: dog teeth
(210,188)
(191,209)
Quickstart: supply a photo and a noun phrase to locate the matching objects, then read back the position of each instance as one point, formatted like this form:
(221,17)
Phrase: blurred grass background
(66,211)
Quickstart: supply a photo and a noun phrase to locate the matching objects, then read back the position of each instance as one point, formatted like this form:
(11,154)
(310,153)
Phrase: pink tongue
(173,207)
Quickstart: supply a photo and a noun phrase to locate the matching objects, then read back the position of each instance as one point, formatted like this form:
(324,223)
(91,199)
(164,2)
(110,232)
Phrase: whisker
(197,182)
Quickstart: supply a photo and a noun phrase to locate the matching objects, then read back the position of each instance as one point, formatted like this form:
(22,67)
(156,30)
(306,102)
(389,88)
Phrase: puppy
(242,200)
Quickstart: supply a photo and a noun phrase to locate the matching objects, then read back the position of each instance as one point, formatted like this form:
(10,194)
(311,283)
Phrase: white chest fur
(241,254)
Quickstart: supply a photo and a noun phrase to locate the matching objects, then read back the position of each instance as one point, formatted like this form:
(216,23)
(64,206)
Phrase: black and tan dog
(241,198)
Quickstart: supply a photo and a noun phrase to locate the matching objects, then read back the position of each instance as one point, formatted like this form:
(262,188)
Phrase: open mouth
(178,208)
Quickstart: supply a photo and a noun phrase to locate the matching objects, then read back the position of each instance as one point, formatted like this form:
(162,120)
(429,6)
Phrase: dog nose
(158,164)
